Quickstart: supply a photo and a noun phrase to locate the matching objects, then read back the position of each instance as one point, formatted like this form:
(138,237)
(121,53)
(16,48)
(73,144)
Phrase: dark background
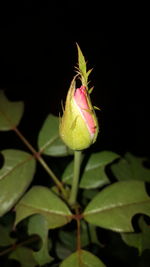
(38,55)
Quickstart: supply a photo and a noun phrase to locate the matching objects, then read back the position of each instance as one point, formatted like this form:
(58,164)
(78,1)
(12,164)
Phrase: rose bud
(78,125)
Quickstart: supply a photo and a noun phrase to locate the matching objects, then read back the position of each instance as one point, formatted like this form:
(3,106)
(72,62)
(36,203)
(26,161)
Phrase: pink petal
(80,97)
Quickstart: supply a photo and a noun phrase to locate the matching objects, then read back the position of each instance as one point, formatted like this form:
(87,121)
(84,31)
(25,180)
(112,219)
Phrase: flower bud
(78,125)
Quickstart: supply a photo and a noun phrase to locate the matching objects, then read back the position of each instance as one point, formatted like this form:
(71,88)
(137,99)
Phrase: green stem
(76,174)
(43,163)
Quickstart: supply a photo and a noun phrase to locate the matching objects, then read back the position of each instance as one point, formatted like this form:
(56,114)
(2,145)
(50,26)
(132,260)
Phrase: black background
(38,54)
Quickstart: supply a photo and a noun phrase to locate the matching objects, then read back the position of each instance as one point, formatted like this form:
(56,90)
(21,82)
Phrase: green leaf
(122,170)
(49,141)
(40,200)
(15,176)
(131,168)
(10,113)
(39,225)
(114,207)
(24,256)
(5,239)
(82,258)
(139,240)
(94,173)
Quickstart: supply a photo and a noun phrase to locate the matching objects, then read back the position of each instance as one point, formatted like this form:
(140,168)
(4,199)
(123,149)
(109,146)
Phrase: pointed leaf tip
(82,65)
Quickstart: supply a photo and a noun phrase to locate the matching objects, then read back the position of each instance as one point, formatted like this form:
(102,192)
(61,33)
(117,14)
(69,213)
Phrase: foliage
(109,225)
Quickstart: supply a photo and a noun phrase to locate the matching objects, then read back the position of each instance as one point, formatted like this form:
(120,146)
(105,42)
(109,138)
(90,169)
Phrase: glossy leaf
(82,258)
(114,207)
(39,225)
(139,240)
(49,141)
(131,168)
(10,112)
(94,173)
(24,256)
(41,200)
(15,176)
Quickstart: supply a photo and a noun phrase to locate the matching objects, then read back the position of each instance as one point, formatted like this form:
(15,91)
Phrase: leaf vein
(46,211)
(15,167)
(116,207)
